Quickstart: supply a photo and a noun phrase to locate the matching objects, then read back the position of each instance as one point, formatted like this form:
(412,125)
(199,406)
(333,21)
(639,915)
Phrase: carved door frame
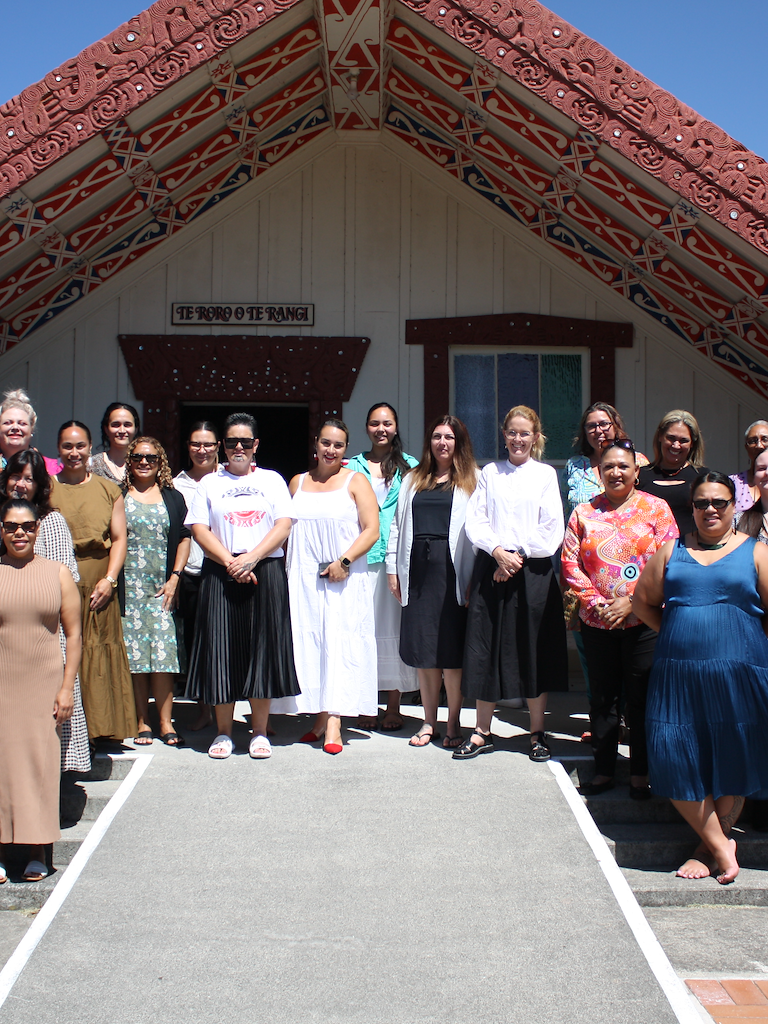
(168,369)
(529,330)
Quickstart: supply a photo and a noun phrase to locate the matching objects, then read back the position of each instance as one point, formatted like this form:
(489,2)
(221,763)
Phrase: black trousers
(619,662)
(189,589)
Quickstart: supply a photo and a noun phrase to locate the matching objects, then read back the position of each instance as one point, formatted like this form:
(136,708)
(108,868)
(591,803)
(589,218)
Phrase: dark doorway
(283,431)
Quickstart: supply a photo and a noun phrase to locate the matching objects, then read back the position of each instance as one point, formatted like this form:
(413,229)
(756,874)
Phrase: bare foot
(701,865)
(729,866)
(391,721)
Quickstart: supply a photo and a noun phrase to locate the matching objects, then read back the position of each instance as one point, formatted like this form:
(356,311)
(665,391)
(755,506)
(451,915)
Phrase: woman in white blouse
(243,648)
(515,644)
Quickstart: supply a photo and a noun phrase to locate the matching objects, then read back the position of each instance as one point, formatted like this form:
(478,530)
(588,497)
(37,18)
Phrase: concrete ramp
(387,885)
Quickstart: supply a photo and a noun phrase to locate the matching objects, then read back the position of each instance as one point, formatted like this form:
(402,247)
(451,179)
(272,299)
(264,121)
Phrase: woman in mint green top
(385,465)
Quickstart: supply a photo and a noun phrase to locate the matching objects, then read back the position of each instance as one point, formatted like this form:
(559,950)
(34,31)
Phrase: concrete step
(660,888)
(582,769)
(104,766)
(84,801)
(17,895)
(616,807)
(666,846)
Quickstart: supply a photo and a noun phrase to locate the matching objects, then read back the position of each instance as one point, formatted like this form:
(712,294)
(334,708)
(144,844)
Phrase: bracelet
(177,572)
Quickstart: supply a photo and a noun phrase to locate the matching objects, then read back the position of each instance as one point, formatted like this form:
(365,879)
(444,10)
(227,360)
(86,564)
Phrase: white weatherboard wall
(372,235)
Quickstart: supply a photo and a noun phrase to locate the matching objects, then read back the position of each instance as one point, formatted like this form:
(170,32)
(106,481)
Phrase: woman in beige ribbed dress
(36,689)
(95,513)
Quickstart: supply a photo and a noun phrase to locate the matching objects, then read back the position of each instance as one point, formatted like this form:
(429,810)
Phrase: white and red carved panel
(422,100)
(199,159)
(610,231)
(522,120)
(182,120)
(280,55)
(352,31)
(308,87)
(82,186)
(108,223)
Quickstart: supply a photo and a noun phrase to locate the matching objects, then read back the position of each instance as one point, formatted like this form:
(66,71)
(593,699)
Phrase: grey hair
(19,399)
(746,432)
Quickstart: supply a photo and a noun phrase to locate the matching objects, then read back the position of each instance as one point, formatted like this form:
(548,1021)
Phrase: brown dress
(105,677)
(31,674)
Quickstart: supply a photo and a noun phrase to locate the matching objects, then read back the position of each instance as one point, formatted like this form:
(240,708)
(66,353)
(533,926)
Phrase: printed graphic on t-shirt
(244,518)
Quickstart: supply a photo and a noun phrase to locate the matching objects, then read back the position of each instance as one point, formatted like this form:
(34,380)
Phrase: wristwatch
(345,562)
(111,582)
(176,572)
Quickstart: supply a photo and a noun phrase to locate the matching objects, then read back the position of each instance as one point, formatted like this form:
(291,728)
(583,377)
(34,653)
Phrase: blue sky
(705,52)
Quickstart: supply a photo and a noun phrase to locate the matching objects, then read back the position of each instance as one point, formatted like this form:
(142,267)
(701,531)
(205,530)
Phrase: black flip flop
(144,735)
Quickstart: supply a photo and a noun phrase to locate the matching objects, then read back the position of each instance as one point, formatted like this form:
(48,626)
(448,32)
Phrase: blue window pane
(475,391)
(518,385)
(560,402)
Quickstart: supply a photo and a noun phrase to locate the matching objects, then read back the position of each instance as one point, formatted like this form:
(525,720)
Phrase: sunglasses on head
(230,443)
(151,459)
(620,442)
(28,527)
(702,504)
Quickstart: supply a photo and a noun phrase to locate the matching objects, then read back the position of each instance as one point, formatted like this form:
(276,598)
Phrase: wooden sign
(191,314)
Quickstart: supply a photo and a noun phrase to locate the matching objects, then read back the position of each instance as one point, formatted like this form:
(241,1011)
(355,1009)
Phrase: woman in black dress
(678,449)
(429,567)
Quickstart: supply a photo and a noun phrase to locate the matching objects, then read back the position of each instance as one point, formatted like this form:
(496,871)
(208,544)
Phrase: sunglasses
(29,527)
(230,443)
(620,442)
(718,504)
(151,459)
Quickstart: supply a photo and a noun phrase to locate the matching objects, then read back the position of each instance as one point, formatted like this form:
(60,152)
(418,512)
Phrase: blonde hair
(164,475)
(525,411)
(19,399)
(696,454)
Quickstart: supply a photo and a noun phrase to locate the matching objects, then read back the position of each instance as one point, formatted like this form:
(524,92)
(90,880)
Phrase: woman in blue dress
(707,710)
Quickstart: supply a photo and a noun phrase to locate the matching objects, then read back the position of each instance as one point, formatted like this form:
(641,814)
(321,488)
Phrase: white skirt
(394,674)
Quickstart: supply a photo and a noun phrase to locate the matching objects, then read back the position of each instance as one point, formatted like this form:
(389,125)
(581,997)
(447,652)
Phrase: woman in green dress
(158,548)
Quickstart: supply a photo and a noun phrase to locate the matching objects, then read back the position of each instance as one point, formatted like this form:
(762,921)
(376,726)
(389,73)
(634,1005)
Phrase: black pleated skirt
(515,644)
(432,625)
(243,646)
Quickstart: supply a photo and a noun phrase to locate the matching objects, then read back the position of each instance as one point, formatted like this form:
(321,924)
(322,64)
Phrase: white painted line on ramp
(679,998)
(64,886)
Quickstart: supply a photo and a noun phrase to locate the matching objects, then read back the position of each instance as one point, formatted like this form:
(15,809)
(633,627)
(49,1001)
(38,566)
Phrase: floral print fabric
(148,631)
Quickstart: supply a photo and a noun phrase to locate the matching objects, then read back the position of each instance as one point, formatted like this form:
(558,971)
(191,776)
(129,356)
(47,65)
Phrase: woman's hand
(241,568)
(614,612)
(394,586)
(508,563)
(336,572)
(101,595)
(169,594)
(63,705)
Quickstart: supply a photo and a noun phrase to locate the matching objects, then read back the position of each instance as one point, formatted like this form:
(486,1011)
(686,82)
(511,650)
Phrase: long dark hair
(35,460)
(393,461)
(113,407)
(464,468)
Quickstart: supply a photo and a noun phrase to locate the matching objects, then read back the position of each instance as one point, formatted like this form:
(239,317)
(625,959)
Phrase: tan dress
(105,677)
(31,673)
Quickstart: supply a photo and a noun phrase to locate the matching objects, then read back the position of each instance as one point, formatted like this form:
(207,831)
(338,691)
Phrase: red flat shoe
(311,737)
(333,748)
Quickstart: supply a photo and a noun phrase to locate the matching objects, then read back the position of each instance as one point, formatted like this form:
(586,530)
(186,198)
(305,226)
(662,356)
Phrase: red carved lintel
(601,337)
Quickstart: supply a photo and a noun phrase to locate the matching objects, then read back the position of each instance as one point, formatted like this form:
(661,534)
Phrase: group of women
(401,573)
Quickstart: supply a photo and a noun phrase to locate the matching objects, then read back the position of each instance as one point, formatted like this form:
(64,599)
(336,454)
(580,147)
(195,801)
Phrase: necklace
(671,472)
(710,547)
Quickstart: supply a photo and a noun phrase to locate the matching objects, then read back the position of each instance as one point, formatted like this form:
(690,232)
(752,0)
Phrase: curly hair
(164,475)
(19,399)
(36,462)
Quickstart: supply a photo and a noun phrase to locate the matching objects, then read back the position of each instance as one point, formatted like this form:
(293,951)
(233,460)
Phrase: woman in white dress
(334,635)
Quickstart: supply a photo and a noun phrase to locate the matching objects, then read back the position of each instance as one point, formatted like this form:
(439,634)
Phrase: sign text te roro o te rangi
(186,314)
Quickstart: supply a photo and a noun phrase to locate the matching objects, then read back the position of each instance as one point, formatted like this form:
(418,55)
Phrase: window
(486,383)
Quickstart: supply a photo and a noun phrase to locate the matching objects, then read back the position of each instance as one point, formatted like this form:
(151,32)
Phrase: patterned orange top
(605,551)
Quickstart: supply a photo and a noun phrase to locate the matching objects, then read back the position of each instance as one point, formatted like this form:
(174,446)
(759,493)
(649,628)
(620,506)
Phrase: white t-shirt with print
(241,510)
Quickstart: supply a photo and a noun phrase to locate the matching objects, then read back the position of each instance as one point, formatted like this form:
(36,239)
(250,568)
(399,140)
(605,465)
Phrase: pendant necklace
(710,547)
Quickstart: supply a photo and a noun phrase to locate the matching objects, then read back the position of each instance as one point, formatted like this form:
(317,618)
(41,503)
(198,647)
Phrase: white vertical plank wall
(372,237)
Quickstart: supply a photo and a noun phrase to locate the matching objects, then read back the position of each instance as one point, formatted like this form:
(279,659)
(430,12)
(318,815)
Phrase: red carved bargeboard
(166,370)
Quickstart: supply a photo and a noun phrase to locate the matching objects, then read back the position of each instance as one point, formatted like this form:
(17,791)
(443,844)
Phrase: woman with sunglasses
(95,513)
(707,717)
(747,488)
(607,543)
(678,449)
(158,547)
(119,426)
(515,643)
(36,687)
(203,451)
(243,649)
(26,476)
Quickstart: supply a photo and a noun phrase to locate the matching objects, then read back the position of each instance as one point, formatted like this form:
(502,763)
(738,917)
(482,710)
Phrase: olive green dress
(105,677)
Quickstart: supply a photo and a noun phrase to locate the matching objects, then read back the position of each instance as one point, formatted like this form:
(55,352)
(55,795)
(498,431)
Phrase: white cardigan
(401,541)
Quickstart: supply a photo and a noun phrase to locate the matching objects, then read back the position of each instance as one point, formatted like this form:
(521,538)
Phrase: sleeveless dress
(707,710)
(334,633)
(31,674)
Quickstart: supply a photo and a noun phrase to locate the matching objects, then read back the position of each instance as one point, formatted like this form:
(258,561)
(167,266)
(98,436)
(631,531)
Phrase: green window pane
(560,402)
(475,392)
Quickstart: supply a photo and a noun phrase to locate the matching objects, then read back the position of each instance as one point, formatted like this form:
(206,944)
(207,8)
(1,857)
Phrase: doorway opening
(283,431)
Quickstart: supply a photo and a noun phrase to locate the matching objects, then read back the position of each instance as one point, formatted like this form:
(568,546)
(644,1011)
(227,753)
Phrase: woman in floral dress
(158,548)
